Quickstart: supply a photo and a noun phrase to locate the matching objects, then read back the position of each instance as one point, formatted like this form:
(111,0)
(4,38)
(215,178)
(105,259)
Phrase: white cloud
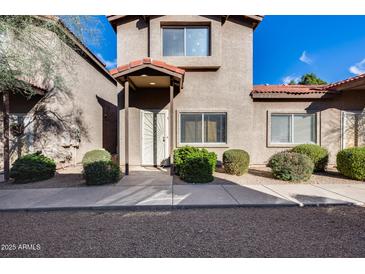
(287,79)
(108,64)
(305,59)
(358,68)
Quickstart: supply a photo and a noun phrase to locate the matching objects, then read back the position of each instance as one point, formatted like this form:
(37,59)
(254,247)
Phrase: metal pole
(171,137)
(126,125)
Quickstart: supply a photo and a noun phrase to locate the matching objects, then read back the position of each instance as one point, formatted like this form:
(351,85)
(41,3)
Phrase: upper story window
(186,41)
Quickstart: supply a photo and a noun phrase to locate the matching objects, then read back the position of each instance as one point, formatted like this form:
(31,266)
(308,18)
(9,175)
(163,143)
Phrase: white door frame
(167,139)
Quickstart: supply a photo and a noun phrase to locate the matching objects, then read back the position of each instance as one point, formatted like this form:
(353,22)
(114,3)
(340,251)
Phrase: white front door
(154,138)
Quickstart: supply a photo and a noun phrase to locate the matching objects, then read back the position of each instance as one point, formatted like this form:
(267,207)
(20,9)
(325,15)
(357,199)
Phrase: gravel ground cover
(230,232)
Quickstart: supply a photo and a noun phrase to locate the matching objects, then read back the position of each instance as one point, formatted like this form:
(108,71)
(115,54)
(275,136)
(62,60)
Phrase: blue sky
(286,47)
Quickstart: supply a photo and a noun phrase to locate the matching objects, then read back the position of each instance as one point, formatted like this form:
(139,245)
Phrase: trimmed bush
(101,172)
(197,169)
(291,166)
(195,165)
(180,156)
(96,155)
(318,155)
(236,161)
(32,167)
(351,162)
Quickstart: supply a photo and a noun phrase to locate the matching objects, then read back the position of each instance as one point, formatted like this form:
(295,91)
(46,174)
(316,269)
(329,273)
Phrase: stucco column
(126,126)
(171,137)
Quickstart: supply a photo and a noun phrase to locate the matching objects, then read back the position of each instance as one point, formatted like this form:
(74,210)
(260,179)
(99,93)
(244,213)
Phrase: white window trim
(185,27)
(292,114)
(202,144)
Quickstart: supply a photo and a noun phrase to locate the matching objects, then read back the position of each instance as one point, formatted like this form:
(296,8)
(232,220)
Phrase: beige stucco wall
(75,104)
(222,83)
(328,119)
(132,40)
(225,89)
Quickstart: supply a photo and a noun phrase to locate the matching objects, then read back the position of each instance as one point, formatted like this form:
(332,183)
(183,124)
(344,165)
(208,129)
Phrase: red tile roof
(289,89)
(348,80)
(304,89)
(147,61)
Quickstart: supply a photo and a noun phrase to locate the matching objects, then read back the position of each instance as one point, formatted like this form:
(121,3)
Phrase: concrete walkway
(140,191)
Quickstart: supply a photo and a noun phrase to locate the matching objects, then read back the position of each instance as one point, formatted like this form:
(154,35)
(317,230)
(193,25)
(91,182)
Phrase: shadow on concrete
(318,200)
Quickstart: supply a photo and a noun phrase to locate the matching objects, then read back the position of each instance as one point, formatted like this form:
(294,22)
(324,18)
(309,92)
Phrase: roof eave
(256,19)
(91,56)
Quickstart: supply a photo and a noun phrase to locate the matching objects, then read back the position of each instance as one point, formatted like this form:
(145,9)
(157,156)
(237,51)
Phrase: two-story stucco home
(187,80)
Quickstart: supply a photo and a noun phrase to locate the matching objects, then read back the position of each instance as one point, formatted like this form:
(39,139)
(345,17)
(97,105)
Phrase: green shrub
(180,155)
(236,161)
(96,155)
(318,155)
(351,162)
(291,166)
(32,167)
(197,165)
(101,172)
(197,169)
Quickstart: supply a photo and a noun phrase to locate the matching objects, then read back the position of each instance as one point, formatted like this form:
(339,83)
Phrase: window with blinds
(200,128)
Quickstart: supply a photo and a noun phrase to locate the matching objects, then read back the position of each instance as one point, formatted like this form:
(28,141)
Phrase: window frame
(202,143)
(343,125)
(292,115)
(184,27)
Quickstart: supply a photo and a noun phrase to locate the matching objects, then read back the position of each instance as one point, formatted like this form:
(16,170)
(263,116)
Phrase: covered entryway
(146,112)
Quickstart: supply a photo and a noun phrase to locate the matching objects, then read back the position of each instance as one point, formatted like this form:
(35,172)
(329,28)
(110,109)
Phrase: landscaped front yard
(72,177)
(263,175)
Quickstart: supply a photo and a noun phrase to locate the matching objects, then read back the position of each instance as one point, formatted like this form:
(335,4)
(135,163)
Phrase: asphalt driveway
(234,232)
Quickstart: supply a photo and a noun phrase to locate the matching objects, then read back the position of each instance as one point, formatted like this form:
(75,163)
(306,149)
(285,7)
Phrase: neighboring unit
(65,123)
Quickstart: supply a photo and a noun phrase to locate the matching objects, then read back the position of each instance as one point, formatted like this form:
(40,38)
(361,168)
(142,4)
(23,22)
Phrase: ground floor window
(293,128)
(199,128)
(353,129)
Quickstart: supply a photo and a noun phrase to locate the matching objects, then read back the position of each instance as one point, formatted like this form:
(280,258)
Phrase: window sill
(287,145)
(194,62)
(202,145)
